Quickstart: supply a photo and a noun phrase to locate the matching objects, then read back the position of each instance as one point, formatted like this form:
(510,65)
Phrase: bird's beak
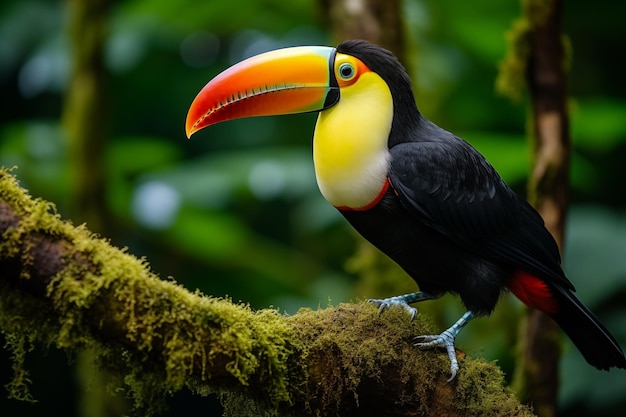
(285,81)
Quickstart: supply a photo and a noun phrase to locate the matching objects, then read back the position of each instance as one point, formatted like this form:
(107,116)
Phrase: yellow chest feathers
(350,149)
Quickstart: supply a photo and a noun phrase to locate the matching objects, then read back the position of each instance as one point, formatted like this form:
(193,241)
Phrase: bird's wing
(452,188)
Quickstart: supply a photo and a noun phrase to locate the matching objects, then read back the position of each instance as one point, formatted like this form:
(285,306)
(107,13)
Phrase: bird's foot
(399,301)
(445,340)
(403,301)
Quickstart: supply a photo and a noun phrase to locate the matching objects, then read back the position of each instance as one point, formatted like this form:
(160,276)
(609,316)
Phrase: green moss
(511,79)
(360,362)
(163,337)
(19,346)
(481,391)
(363,352)
(377,350)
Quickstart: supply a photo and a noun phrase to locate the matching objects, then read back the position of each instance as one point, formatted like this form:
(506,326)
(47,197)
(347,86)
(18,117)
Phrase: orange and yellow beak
(285,81)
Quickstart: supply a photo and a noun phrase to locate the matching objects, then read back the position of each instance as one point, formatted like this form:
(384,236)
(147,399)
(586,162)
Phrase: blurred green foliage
(236,212)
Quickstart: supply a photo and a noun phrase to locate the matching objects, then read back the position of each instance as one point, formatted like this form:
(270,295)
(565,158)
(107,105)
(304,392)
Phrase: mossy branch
(60,285)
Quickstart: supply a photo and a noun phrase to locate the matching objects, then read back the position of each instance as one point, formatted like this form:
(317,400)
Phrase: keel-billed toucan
(420,194)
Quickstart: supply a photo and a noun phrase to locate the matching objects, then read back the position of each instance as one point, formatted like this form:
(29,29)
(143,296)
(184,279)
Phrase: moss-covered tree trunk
(85,111)
(538,57)
(85,121)
(62,286)
(548,192)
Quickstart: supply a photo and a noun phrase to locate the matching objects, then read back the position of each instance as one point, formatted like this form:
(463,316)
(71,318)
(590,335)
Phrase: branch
(63,286)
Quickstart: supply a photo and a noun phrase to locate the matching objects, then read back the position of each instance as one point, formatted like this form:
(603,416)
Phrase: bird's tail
(590,336)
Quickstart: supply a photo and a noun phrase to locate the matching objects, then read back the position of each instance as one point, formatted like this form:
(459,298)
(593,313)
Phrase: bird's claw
(445,340)
(387,303)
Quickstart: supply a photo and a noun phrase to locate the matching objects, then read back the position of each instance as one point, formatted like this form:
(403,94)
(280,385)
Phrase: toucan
(420,194)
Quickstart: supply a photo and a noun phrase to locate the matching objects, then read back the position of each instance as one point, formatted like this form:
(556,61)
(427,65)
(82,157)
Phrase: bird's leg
(446,340)
(403,301)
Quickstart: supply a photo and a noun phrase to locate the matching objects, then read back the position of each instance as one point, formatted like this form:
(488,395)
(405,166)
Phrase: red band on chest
(379,197)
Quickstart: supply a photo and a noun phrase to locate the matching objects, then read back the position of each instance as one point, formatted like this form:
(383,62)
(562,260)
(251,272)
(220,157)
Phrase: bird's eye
(346,71)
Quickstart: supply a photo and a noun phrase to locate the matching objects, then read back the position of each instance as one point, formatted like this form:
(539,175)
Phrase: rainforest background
(236,212)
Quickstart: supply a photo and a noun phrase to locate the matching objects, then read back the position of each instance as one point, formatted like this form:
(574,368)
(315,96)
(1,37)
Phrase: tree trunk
(85,123)
(538,51)
(85,112)
(377,21)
